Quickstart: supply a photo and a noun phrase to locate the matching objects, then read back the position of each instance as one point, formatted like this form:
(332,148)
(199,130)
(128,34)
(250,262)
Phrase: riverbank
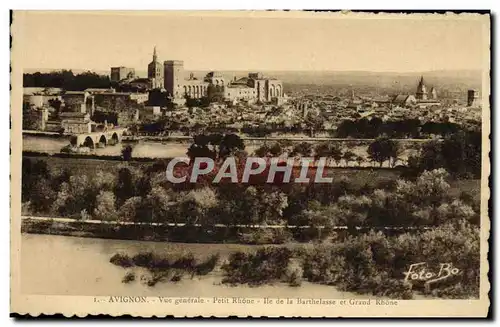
(151,148)
(291,263)
(80,266)
(150,232)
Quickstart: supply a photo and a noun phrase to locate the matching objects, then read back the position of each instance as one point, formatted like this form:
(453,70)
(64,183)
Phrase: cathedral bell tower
(421,90)
(155,72)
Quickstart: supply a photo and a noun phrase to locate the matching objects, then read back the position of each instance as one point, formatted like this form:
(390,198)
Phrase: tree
(322,150)
(196,205)
(127,153)
(348,156)
(318,218)
(160,201)
(31,118)
(105,206)
(270,207)
(303,149)
(394,153)
(460,154)
(56,104)
(314,122)
(381,150)
(215,145)
(124,188)
(359,160)
(352,211)
(32,171)
(66,80)
(198,151)
(130,210)
(42,195)
(276,150)
(263,151)
(229,144)
(74,196)
(336,154)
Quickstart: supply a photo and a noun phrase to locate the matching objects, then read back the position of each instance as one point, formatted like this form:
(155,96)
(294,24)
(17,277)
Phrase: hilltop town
(166,102)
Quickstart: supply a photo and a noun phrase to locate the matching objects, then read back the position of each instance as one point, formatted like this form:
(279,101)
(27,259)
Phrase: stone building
(195,88)
(121,73)
(39,97)
(141,84)
(254,88)
(421,90)
(424,99)
(76,122)
(156,72)
(78,101)
(174,78)
(119,101)
(434,94)
(472,98)
(403,100)
(267,88)
(36,118)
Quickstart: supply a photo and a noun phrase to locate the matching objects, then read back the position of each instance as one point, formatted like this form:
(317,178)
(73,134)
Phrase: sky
(250,41)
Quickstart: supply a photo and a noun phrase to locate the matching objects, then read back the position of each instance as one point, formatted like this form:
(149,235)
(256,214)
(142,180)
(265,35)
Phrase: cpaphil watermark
(236,170)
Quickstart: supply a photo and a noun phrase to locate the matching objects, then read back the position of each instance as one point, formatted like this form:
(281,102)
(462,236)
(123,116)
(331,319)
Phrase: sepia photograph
(250,163)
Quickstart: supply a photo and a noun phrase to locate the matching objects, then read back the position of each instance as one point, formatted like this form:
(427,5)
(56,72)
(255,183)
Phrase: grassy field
(87,166)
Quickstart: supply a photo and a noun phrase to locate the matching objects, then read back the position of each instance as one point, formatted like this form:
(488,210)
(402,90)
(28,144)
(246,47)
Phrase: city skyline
(244,43)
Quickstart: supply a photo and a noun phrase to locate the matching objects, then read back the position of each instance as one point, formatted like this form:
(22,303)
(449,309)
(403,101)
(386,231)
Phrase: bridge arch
(88,142)
(103,140)
(114,139)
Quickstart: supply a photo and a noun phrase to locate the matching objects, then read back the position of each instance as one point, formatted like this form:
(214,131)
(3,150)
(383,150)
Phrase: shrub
(208,265)
(266,265)
(121,260)
(160,267)
(375,263)
(176,277)
(266,236)
(186,262)
(293,274)
(143,259)
(129,277)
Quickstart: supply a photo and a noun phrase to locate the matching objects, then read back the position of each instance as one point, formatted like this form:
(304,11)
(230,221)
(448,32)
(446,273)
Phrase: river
(158,149)
(142,149)
(64,265)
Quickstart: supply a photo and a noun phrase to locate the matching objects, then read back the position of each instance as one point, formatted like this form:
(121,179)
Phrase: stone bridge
(98,139)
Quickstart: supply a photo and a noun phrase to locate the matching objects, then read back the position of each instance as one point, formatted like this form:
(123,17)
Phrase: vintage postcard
(246,163)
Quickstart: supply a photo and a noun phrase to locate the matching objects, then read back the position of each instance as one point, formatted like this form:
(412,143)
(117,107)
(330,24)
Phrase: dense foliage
(163,268)
(405,128)
(371,233)
(66,80)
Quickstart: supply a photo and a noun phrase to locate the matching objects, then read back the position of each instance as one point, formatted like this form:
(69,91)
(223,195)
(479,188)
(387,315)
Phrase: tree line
(405,128)
(360,260)
(144,195)
(67,80)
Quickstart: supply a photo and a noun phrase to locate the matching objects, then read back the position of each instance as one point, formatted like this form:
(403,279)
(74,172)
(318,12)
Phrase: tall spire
(421,90)
(154,54)
(421,80)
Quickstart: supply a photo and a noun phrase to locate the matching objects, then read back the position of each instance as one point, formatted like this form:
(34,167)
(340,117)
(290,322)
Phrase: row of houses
(71,111)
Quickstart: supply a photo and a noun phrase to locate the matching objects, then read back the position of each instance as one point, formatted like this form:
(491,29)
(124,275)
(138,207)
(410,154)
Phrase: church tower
(155,72)
(421,90)
(434,94)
